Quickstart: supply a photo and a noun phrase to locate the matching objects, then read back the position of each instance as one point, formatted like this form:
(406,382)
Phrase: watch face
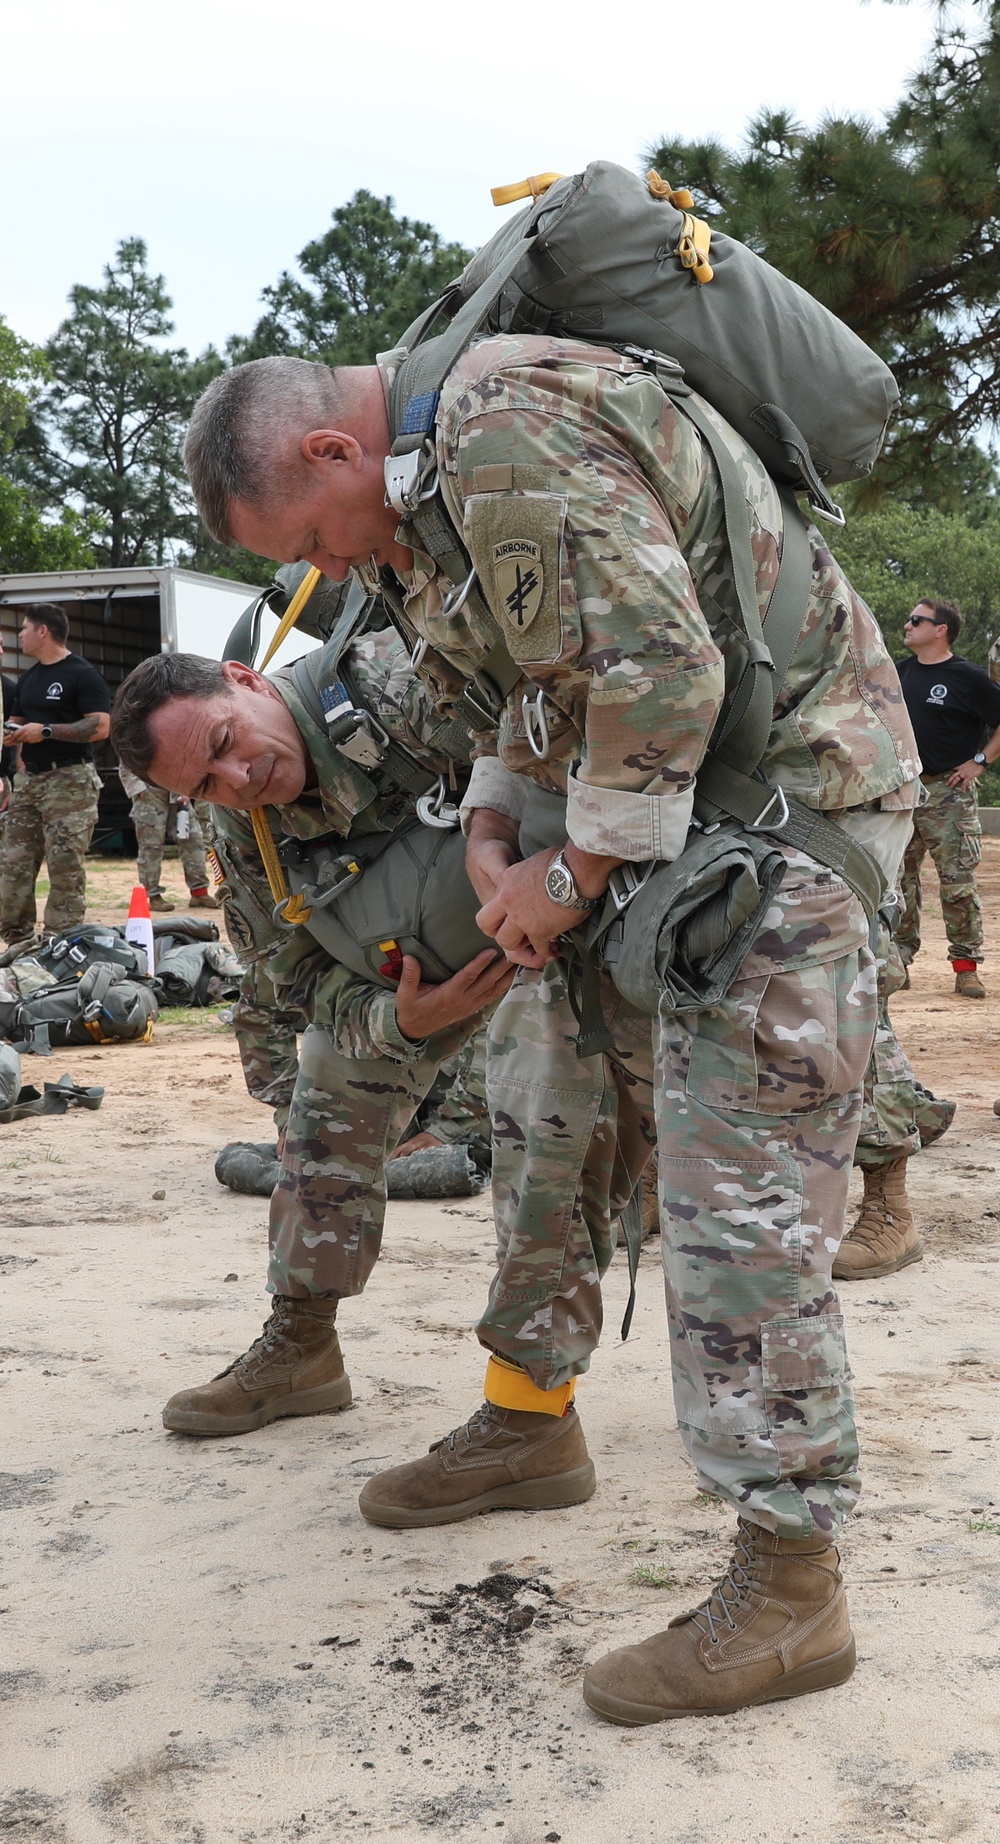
(559,884)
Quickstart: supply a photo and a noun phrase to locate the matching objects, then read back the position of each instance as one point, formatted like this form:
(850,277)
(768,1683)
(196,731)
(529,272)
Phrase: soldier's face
(238,749)
(337,521)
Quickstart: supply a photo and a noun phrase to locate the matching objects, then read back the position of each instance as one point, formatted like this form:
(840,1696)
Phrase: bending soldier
(592,513)
(377,1040)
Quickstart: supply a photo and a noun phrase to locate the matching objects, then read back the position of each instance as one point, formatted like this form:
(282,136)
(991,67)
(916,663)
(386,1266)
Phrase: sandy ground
(201,1641)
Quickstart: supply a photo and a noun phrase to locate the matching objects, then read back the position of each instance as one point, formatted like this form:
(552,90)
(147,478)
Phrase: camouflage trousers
(150,814)
(51,816)
(947,827)
(754,1110)
(898,1115)
(347,1114)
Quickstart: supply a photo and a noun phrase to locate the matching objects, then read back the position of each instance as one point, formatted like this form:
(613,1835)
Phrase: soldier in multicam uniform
(955,709)
(369,1054)
(594,517)
(150,817)
(899,1117)
(453,1111)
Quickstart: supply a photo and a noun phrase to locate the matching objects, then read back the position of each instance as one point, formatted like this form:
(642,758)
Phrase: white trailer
(119,617)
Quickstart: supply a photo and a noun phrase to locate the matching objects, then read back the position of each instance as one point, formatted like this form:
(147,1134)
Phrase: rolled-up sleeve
(616,824)
(494,786)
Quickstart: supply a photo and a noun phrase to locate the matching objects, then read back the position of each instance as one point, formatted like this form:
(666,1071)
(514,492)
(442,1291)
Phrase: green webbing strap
(397,767)
(422,374)
(758,805)
(631,1222)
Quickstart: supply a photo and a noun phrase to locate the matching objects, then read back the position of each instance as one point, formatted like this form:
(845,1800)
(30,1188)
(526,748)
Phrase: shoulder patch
(515,541)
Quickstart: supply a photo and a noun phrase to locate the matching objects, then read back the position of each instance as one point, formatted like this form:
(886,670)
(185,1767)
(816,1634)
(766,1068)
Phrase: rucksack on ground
(105,1006)
(198,973)
(86,945)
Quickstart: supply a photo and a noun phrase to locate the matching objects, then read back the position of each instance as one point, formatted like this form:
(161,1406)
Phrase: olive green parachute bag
(607,257)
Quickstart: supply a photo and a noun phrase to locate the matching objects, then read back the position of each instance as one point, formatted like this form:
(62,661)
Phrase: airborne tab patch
(520,579)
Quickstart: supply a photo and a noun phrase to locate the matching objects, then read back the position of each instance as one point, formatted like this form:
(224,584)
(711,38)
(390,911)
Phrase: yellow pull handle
(292,613)
(525,188)
(696,236)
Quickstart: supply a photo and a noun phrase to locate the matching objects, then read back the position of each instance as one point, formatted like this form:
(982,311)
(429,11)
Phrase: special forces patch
(515,541)
(519,579)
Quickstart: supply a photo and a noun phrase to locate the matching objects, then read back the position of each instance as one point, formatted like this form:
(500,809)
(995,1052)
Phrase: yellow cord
(292,613)
(294,910)
(525,188)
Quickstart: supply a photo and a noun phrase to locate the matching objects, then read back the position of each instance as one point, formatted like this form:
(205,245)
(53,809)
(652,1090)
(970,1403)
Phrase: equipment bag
(87,945)
(198,973)
(606,257)
(104,1007)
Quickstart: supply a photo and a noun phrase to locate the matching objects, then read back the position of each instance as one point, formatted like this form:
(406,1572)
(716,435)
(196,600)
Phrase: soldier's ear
(235,673)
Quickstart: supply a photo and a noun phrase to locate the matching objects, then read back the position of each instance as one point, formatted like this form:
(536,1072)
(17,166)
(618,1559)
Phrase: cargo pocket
(808,1397)
(970,841)
(772,1047)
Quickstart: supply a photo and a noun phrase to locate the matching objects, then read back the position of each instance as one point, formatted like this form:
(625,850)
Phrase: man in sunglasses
(954,707)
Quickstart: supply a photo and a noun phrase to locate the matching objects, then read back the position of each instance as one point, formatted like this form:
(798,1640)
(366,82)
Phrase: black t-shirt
(8,690)
(59,694)
(954,707)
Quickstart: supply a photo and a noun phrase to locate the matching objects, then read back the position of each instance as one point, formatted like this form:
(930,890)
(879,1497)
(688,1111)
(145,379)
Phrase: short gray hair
(242,428)
(153,683)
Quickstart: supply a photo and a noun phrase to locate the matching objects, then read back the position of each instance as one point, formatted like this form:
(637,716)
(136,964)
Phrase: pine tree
(107,433)
(366,278)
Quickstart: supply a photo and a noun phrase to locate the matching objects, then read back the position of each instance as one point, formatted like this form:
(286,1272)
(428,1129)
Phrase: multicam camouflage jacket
(593,513)
(348,802)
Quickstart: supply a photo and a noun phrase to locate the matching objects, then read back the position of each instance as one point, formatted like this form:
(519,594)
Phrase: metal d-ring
(434,810)
(419,649)
(456,599)
(533,714)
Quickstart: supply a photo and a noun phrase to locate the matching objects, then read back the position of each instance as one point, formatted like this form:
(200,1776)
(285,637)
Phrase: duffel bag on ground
(104,1007)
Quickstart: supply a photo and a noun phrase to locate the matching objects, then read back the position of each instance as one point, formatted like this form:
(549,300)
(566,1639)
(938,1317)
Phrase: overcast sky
(224,132)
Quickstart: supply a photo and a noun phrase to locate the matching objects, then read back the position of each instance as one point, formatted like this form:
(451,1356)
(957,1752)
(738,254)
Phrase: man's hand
(423,1009)
(24,733)
(522,918)
(965,774)
(420,1142)
(491,850)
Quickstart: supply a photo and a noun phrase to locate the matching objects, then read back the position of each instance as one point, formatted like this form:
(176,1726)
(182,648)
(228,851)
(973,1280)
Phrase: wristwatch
(979,759)
(46,733)
(561,886)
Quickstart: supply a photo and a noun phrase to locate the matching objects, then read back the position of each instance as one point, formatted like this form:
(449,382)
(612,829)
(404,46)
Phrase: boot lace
(479,1426)
(733,1592)
(270,1340)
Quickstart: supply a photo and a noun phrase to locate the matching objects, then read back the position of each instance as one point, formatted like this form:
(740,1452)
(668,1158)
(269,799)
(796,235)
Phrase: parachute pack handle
(533,187)
(695,240)
(287,908)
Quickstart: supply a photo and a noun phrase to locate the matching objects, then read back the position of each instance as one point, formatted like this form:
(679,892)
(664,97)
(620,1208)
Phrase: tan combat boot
(501,1460)
(968,985)
(775,1627)
(884,1237)
(295,1367)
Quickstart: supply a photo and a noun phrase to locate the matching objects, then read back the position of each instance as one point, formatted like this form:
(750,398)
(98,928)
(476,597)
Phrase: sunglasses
(915,620)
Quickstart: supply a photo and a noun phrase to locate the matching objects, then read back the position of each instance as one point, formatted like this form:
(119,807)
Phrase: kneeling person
(379,1030)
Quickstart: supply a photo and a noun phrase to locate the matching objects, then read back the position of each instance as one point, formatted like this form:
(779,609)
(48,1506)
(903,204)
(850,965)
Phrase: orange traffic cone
(139,927)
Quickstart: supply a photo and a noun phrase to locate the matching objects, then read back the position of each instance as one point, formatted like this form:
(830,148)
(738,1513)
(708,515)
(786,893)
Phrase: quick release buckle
(410,479)
(626,883)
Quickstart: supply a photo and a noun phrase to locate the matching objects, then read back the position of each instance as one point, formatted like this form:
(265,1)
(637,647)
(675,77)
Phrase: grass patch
(984,1526)
(643,1576)
(192,1017)
(707,1498)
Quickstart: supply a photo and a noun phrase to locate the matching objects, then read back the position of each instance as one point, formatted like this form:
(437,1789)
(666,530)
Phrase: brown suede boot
(295,1367)
(884,1237)
(969,985)
(501,1460)
(775,1627)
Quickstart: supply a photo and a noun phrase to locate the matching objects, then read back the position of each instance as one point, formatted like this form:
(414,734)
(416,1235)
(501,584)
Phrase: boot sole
(821,1674)
(562,1489)
(887,1267)
(320,1401)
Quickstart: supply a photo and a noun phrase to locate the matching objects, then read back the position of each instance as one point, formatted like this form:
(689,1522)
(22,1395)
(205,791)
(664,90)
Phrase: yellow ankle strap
(509,1387)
